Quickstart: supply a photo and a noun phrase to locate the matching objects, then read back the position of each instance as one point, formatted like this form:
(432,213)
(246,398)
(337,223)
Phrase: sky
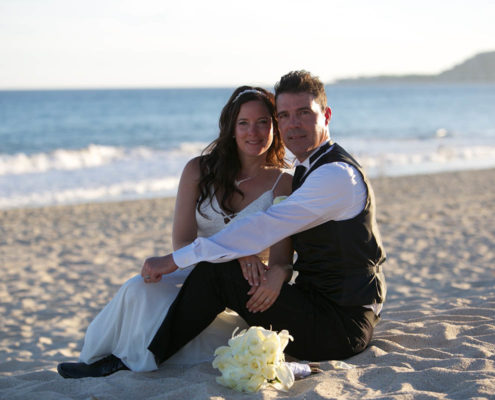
(226,43)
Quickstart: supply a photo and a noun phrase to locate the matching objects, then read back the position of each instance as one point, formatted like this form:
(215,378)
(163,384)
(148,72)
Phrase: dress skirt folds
(128,323)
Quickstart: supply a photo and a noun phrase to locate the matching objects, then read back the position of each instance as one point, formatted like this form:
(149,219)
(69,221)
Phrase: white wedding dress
(128,323)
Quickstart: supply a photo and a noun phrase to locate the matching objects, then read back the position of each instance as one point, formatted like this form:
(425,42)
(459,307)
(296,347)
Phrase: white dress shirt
(333,191)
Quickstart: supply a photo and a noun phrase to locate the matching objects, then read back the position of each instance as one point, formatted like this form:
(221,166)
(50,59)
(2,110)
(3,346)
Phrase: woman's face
(254,129)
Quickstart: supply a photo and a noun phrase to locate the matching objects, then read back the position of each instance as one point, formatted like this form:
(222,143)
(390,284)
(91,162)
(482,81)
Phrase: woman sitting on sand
(239,173)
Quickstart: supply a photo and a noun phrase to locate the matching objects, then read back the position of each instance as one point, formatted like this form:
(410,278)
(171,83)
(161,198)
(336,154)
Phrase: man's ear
(328,115)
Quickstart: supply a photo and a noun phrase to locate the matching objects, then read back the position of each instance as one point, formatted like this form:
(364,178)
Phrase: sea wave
(407,157)
(128,190)
(89,157)
(105,173)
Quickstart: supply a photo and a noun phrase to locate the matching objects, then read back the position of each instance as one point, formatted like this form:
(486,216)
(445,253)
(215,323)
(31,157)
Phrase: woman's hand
(264,296)
(253,269)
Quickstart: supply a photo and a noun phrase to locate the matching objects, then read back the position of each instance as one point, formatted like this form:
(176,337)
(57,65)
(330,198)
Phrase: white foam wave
(90,157)
(100,173)
(61,159)
(114,174)
(407,157)
(118,191)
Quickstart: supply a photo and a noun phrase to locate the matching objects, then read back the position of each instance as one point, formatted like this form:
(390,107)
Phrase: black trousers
(321,331)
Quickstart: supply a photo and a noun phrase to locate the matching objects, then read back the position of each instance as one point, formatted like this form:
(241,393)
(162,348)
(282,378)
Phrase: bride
(241,172)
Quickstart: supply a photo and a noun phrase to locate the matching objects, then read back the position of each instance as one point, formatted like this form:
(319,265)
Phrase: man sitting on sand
(340,288)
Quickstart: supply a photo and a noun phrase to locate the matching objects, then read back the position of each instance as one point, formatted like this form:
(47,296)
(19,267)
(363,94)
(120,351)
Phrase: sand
(436,340)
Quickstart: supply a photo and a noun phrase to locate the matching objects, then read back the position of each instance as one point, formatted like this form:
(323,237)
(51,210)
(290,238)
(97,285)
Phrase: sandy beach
(436,340)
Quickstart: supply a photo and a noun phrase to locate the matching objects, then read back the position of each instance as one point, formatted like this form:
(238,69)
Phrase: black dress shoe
(103,367)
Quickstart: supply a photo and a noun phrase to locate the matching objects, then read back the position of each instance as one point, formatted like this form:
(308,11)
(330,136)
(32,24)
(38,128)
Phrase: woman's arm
(185,228)
(282,253)
(252,267)
(279,264)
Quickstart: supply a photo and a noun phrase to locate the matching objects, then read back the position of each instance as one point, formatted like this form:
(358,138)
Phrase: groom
(338,294)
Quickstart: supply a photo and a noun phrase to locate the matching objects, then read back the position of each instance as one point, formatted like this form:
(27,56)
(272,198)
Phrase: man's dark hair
(302,81)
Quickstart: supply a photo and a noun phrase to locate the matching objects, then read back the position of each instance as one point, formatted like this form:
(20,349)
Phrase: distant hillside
(479,68)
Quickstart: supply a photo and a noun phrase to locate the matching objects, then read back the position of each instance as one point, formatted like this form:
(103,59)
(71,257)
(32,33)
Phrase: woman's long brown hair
(219,162)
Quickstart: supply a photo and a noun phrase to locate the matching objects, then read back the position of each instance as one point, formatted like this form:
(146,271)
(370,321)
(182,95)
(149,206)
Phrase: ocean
(74,146)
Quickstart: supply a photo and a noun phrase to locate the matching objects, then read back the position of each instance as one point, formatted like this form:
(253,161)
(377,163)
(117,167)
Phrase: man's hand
(253,269)
(155,267)
(264,295)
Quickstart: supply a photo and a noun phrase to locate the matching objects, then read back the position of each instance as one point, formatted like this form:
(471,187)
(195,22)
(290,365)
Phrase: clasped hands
(265,283)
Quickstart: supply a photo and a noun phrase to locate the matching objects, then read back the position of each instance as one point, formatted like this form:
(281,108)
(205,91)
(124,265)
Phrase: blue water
(43,121)
(70,146)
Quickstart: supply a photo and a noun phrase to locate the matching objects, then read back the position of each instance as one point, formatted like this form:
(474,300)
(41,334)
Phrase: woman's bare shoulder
(284,185)
(192,168)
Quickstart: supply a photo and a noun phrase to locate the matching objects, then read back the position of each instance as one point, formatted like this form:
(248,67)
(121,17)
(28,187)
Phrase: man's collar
(315,154)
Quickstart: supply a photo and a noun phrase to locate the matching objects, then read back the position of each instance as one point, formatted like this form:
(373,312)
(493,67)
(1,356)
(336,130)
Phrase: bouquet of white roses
(254,359)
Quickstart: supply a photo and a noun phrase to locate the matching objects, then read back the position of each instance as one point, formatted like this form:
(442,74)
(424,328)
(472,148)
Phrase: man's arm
(332,192)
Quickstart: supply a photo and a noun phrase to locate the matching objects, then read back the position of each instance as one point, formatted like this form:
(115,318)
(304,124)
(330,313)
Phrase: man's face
(302,123)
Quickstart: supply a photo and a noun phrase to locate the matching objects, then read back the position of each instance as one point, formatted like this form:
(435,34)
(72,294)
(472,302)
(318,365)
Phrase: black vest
(339,261)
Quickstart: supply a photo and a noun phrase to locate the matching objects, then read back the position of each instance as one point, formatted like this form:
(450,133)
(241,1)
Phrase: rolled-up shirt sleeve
(333,191)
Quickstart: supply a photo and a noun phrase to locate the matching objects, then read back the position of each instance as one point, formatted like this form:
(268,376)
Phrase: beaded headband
(248,91)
